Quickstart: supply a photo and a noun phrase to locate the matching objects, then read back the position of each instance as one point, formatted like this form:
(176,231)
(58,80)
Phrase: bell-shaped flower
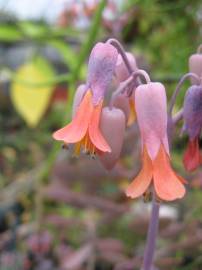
(127,105)
(84,130)
(122,74)
(156,172)
(195,65)
(121,71)
(192,113)
(112,125)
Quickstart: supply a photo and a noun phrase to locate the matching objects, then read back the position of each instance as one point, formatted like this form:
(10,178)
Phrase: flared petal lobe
(150,104)
(168,186)
(192,156)
(142,181)
(101,67)
(94,130)
(77,129)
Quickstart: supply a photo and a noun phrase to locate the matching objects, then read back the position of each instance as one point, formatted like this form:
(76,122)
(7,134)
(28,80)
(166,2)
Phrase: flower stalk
(151,236)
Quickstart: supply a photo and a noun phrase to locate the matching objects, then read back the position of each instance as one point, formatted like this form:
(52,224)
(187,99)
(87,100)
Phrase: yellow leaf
(31,102)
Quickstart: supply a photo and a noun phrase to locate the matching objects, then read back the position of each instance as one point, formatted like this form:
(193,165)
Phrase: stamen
(132,115)
(77,148)
(65,146)
(147,196)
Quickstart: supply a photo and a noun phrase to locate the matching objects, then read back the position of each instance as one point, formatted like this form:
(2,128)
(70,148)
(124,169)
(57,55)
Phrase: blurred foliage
(162,34)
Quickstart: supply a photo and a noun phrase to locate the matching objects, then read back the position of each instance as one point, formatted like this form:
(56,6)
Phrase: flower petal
(101,67)
(77,129)
(192,156)
(112,126)
(94,131)
(142,181)
(166,182)
(150,104)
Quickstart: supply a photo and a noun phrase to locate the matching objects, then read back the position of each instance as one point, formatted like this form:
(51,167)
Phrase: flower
(122,74)
(112,125)
(84,128)
(195,65)
(150,104)
(192,113)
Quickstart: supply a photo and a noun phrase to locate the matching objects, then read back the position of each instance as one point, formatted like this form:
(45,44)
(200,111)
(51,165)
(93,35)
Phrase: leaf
(33,30)
(31,102)
(9,33)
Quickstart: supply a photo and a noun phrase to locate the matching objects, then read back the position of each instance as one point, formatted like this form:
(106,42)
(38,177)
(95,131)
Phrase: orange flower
(84,129)
(150,104)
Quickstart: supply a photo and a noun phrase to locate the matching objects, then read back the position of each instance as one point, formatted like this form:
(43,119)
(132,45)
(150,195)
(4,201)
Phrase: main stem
(151,236)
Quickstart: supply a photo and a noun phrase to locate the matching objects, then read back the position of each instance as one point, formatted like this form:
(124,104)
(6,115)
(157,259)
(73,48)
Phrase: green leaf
(9,33)
(32,30)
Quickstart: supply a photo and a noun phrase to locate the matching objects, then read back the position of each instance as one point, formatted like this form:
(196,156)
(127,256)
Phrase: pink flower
(150,104)
(192,113)
(84,130)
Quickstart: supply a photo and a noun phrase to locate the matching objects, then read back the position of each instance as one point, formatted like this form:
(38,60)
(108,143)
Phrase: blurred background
(60,212)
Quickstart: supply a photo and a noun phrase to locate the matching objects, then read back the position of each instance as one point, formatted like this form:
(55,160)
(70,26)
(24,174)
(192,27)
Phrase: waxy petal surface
(77,129)
(78,97)
(94,130)
(150,104)
(192,156)
(112,126)
(167,185)
(192,111)
(101,66)
(142,181)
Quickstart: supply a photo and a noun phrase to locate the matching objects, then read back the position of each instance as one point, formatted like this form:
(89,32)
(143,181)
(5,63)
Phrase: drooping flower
(195,65)
(156,172)
(121,70)
(121,101)
(192,113)
(112,125)
(84,130)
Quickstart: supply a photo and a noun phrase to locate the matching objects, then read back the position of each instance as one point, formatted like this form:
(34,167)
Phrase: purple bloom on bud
(101,67)
(195,65)
(192,113)
(112,125)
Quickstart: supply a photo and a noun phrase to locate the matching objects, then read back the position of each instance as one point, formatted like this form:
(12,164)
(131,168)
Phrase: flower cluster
(98,130)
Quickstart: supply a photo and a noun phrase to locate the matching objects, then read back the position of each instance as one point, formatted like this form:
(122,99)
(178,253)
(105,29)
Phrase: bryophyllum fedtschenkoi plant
(84,130)
(100,130)
(156,172)
(192,113)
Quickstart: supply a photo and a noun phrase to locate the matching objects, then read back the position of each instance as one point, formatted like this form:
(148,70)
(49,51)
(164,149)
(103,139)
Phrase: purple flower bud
(112,125)
(193,111)
(101,67)
(121,70)
(195,65)
(122,102)
(80,91)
